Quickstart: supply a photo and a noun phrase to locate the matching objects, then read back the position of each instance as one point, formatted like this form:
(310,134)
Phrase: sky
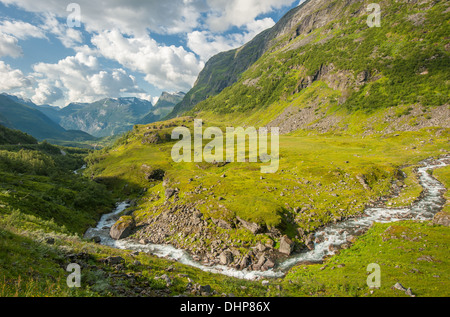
(56,52)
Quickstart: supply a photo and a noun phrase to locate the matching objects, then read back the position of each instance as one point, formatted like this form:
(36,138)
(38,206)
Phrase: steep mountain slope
(163,107)
(24,118)
(49,111)
(105,117)
(14,137)
(328,70)
(224,69)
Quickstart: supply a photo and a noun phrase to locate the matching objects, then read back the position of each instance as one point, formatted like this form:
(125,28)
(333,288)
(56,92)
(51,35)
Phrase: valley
(362,171)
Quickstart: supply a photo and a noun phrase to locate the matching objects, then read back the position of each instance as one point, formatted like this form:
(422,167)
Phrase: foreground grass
(412,254)
(443,175)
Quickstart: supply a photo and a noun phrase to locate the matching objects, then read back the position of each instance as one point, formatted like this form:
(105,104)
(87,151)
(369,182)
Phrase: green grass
(412,254)
(318,175)
(36,209)
(443,175)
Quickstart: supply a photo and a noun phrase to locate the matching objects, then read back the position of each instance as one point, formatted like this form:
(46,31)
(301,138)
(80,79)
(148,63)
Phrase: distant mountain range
(83,121)
(23,117)
(163,107)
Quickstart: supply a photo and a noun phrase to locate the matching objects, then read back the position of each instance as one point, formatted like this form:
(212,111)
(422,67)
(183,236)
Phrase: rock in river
(122,228)
(286,245)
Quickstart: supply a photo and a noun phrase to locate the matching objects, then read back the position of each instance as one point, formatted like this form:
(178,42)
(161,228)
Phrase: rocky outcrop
(442,218)
(252,227)
(156,138)
(122,228)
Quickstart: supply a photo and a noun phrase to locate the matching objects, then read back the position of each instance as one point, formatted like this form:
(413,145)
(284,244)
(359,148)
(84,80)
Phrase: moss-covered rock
(442,218)
(122,228)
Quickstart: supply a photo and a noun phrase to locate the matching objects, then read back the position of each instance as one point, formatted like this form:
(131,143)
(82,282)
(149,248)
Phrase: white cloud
(9,46)
(113,83)
(47,94)
(206,44)
(81,80)
(166,67)
(69,37)
(227,13)
(12,78)
(21,30)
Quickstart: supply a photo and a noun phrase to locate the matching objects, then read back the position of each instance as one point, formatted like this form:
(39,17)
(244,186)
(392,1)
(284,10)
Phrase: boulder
(114,260)
(226,258)
(245,262)
(170,192)
(205,289)
(122,228)
(442,218)
(96,239)
(309,242)
(222,224)
(252,227)
(286,245)
(268,265)
(260,263)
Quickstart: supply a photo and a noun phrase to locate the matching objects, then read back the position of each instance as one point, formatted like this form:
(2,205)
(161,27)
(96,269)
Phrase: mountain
(49,111)
(163,107)
(14,137)
(224,69)
(322,67)
(105,117)
(22,117)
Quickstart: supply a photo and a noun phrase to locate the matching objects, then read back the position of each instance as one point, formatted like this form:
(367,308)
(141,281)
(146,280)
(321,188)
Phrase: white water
(337,234)
(79,170)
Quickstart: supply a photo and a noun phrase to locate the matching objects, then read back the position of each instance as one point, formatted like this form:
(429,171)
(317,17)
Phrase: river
(430,203)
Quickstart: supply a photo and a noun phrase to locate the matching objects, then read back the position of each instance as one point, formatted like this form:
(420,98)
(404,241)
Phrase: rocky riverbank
(208,241)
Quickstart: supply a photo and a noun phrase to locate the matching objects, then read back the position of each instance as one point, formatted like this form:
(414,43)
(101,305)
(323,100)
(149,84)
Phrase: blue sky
(121,48)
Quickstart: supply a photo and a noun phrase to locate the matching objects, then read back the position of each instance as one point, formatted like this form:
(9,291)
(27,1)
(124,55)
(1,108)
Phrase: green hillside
(332,65)
(12,137)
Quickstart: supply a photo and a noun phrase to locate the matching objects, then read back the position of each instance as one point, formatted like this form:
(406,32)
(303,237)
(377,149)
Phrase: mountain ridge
(30,120)
(329,67)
